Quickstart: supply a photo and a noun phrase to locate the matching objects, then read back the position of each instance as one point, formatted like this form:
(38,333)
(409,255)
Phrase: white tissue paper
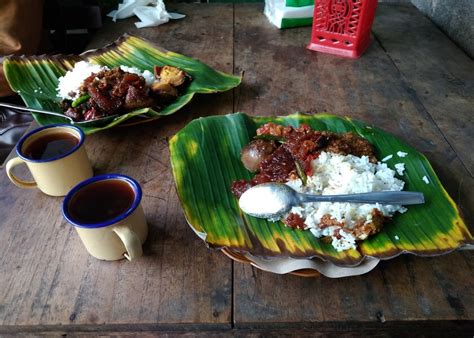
(150,12)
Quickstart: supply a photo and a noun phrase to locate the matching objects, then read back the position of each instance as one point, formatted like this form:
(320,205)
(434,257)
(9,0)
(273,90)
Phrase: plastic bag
(289,13)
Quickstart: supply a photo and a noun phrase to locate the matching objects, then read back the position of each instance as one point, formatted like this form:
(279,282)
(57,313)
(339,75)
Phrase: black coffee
(101,201)
(50,146)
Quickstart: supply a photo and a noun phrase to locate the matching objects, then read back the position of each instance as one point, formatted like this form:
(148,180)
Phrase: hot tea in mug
(107,214)
(56,158)
(101,201)
(50,145)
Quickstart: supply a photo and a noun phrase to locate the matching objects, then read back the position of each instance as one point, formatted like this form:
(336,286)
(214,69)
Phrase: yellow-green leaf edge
(35,78)
(210,209)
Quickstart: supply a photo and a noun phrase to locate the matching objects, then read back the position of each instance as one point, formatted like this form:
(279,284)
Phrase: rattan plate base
(238,257)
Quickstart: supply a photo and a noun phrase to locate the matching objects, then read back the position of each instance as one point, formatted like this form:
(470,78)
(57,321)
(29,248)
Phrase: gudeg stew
(120,90)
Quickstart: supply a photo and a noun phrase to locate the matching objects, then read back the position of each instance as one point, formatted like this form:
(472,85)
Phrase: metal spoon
(272,200)
(27,109)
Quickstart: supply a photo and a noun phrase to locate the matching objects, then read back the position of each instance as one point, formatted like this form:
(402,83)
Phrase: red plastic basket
(342,27)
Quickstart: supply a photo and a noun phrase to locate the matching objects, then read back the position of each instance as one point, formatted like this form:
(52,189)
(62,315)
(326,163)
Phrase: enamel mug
(121,235)
(55,175)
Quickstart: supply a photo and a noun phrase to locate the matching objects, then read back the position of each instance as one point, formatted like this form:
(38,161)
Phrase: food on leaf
(255,152)
(90,91)
(171,75)
(326,163)
(164,90)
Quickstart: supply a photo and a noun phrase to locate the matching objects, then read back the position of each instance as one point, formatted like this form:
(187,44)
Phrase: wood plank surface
(49,284)
(282,77)
(49,281)
(438,74)
(439,77)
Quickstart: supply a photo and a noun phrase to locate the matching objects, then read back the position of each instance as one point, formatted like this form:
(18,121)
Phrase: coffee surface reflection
(50,146)
(101,201)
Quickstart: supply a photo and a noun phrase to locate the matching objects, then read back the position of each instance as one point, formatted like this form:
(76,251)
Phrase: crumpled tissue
(150,12)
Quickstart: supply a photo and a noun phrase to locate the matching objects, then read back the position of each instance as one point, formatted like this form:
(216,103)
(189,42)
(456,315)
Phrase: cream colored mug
(56,158)
(107,214)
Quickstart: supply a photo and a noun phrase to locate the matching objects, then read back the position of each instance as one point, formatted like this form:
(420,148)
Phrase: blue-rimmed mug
(57,174)
(108,235)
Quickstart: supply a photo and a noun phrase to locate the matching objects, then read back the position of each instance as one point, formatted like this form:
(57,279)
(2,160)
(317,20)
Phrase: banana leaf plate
(35,78)
(205,158)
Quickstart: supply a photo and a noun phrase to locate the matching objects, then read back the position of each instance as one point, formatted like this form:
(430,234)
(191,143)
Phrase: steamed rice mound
(324,163)
(345,223)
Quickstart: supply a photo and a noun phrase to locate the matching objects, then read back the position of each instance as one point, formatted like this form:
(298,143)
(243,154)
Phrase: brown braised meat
(360,230)
(115,91)
(348,143)
(281,153)
(279,150)
(295,221)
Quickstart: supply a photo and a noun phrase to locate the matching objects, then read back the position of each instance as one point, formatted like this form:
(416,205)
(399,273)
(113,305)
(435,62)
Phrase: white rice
(401,153)
(400,168)
(386,158)
(73,79)
(426,180)
(339,174)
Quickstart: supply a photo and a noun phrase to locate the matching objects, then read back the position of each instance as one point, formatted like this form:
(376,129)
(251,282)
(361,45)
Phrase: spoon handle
(14,106)
(382,197)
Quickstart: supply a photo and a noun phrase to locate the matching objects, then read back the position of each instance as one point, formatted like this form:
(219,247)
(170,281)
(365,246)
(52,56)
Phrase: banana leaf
(205,158)
(35,78)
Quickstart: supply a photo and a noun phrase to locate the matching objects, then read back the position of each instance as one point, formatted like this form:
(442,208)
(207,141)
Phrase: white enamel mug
(119,237)
(54,176)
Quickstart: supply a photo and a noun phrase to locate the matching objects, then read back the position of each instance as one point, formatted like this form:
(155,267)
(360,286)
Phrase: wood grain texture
(439,78)
(441,81)
(47,278)
(282,77)
(49,284)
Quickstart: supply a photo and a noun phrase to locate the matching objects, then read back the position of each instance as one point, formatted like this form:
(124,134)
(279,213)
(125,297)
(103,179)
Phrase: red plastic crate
(342,27)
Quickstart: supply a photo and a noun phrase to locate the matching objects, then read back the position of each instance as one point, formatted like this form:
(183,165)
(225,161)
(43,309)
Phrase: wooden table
(412,81)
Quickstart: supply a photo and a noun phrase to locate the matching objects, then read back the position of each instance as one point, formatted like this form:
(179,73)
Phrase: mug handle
(17,181)
(132,243)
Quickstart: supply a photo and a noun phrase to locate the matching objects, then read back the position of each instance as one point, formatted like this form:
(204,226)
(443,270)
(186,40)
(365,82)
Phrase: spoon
(47,112)
(272,200)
